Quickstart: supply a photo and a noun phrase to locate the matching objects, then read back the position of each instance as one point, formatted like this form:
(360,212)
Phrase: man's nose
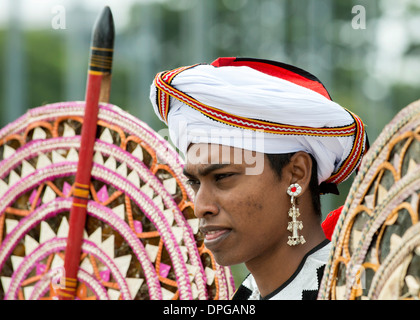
(205,203)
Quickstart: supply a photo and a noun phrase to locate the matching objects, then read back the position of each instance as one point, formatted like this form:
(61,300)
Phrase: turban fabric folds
(274,108)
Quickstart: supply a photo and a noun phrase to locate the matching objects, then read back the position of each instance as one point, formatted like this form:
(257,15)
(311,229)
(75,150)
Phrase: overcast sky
(39,13)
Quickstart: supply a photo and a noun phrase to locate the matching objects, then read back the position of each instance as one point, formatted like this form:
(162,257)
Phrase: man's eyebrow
(187,174)
(207,170)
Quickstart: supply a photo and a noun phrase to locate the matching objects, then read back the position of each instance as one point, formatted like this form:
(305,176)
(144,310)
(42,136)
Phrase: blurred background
(366,52)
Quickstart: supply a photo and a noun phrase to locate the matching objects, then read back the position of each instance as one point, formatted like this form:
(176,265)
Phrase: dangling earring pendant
(294,225)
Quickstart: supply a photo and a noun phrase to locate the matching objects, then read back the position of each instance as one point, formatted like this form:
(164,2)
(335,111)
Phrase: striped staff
(97,90)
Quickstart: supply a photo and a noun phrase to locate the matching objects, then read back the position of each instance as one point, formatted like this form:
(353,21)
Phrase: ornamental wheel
(376,243)
(141,238)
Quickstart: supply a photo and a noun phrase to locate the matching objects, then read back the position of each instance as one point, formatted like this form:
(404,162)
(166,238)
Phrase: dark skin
(244,216)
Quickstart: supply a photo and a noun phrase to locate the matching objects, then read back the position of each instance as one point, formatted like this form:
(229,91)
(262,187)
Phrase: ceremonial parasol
(94,205)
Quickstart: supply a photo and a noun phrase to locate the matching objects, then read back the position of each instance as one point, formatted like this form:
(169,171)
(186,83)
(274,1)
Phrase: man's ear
(301,169)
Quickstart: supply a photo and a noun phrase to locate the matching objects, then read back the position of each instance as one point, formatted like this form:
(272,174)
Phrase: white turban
(262,106)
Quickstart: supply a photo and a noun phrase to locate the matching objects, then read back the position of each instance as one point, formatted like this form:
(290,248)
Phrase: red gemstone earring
(293,191)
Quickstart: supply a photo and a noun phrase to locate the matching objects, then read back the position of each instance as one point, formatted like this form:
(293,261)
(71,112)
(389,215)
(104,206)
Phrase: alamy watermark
(359,20)
(219,146)
(58,21)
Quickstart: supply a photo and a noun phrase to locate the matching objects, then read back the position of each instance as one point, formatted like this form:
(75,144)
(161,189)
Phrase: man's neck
(274,268)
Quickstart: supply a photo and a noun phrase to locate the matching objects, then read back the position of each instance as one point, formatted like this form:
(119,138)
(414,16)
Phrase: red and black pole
(97,90)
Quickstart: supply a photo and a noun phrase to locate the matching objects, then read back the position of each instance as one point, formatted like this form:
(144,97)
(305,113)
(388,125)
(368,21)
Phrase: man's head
(281,124)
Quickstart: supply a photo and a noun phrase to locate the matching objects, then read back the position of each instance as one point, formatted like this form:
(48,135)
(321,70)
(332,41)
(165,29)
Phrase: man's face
(243,216)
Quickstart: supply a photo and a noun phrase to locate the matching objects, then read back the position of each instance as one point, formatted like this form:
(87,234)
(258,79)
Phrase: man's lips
(214,234)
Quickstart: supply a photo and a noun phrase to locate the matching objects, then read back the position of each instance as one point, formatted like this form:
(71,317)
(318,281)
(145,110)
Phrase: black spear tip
(103,31)
(102,42)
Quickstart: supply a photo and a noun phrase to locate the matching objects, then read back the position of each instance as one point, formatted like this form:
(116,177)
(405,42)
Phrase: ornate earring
(294,225)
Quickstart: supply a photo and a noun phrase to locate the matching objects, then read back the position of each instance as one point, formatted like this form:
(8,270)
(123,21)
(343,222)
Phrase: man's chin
(225,259)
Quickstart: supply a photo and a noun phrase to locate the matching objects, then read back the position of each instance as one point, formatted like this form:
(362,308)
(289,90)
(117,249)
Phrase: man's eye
(193,182)
(222,176)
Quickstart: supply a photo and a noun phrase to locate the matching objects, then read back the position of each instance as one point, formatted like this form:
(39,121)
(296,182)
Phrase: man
(262,141)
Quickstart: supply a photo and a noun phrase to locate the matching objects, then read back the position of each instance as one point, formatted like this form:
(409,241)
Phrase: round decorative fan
(141,238)
(376,243)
